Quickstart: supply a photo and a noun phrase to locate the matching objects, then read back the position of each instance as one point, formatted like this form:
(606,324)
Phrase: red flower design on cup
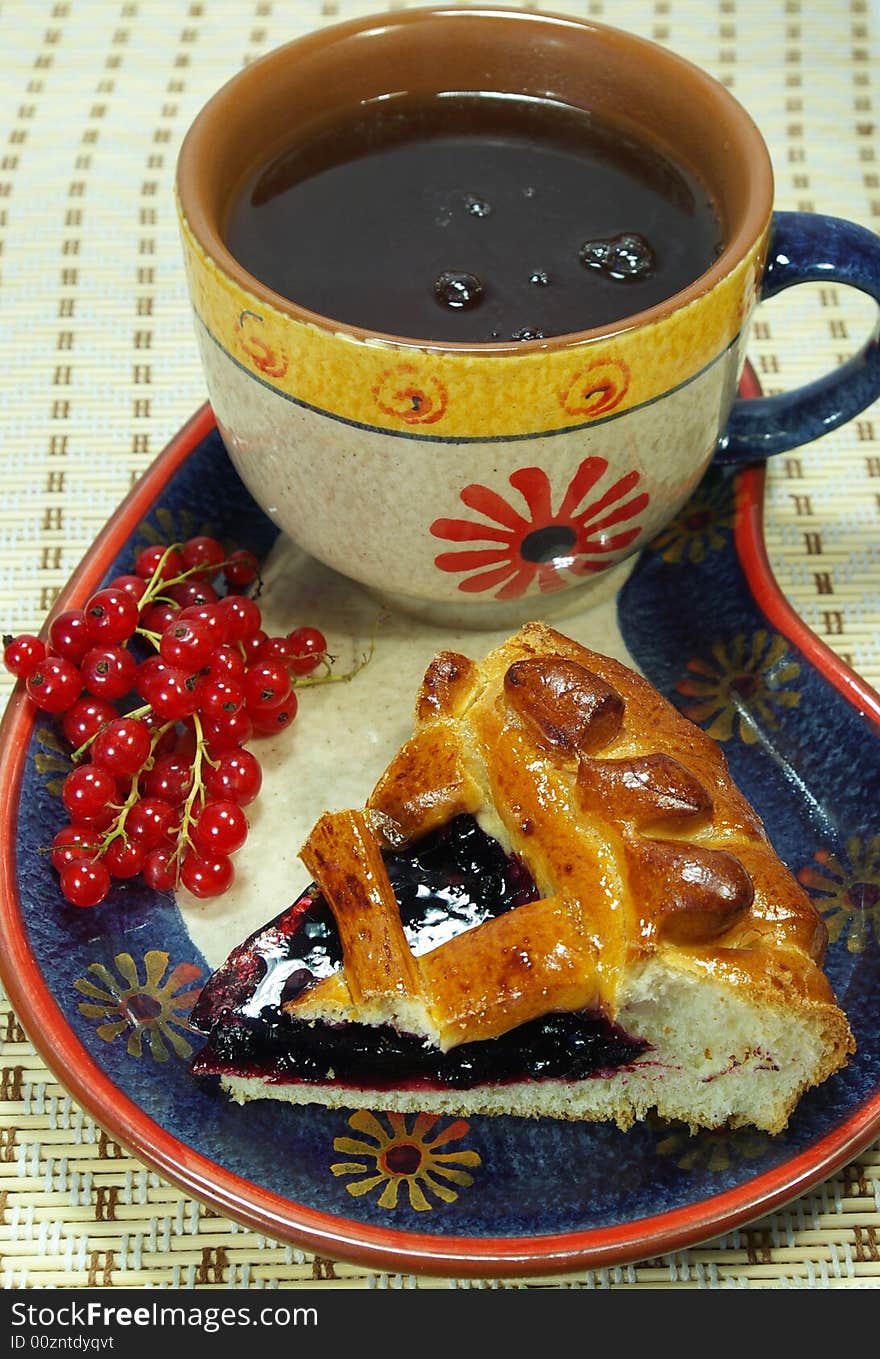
(596,389)
(271,362)
(416,401)
(542,545)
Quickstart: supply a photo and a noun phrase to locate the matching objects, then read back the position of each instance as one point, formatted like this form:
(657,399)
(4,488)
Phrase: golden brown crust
(624,812)
(642,781)
(571,711)
(344,859)
(449,683)
(426,785)
(511,969)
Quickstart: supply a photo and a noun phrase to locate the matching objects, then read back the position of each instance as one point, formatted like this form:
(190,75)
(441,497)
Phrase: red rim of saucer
(327,1234)
(752,553)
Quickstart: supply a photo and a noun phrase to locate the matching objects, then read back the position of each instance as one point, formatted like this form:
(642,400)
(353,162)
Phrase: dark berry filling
(558,1046)
(451,880)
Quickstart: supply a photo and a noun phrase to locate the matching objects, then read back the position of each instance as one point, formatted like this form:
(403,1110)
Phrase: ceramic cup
(483,484)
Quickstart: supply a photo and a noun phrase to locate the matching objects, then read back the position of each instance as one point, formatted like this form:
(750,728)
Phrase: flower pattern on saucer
(742,689)
(170,526)
(701,527)
(155,1009)
(52,760)
(518,551)
(849,891)
(406,1154)
(712,1150)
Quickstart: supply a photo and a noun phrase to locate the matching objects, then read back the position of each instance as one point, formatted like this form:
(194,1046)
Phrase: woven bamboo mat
(98,368)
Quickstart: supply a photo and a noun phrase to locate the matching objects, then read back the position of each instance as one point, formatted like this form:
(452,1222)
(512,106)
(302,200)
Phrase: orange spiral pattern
(415,402)
(273,363)
(596,389)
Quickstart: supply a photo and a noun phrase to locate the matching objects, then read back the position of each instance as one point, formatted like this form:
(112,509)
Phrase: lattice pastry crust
(662,903)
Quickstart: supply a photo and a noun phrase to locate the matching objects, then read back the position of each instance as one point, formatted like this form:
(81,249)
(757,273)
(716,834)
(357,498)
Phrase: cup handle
(807,247)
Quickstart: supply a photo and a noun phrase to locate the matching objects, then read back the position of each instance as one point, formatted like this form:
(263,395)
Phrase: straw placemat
(98,368)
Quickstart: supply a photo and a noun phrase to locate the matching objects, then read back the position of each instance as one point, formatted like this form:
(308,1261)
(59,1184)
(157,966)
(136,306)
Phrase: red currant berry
(108,671)
(135,586)
(219,828)
(148,672)
(123,746)
(242,615)
(266,685)
(226,663)
(228,729)
(185,743)
(307,647)
(193,593)
(166,743)
(84,883)
(89,793)
(85,719)
(151,821)
(276,649)
(203,552)
(218,697)
(169,779)
(172,694)
(187,645)
(251,645)
(236,776)
(55,685)
(242,568)
(159,617)
(23,655)
(210,616)
(69,635)
(74,843)
(111,616)
(124,857)
(150,563)
(160,869)
(270,721)
(206,877)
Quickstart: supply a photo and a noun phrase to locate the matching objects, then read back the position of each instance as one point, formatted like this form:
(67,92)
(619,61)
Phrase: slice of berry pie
(555,903)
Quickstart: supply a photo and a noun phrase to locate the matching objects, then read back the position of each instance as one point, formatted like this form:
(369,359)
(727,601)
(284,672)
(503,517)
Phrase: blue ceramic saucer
(105,994)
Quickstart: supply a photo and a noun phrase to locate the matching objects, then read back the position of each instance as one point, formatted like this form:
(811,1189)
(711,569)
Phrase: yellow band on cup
(456,395)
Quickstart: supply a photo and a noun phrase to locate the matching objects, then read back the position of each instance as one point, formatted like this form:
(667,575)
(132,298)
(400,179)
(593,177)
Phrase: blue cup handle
(806,247)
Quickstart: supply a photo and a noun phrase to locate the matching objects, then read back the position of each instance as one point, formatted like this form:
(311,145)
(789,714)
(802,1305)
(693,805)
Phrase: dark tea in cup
(474,217)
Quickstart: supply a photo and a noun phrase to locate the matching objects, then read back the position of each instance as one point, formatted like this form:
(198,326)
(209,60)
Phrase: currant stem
(117,826)
(197,791)
(156,578)
(155,738)
(151,595)
(330,677)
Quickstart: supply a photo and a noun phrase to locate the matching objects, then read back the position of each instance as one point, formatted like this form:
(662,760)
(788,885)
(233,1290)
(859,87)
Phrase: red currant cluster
(159,789)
